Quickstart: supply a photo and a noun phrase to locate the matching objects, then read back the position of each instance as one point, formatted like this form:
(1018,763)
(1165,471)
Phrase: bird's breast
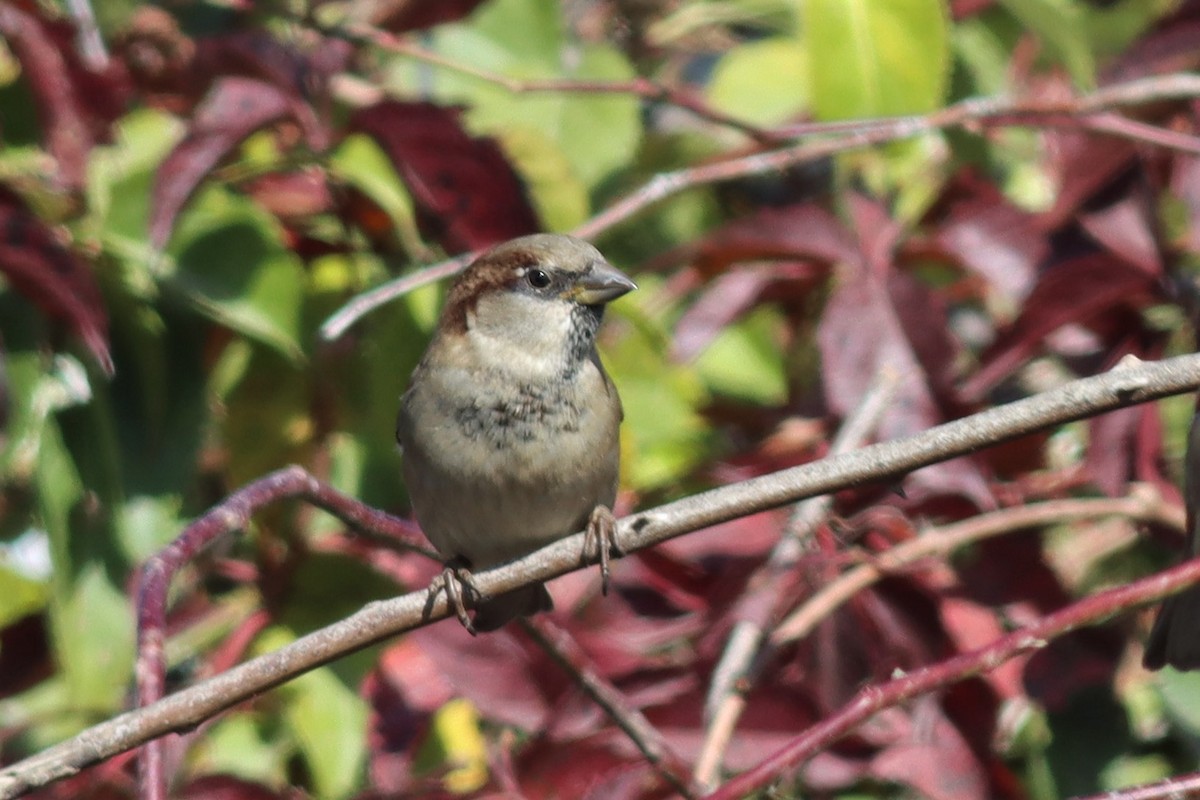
(498,468)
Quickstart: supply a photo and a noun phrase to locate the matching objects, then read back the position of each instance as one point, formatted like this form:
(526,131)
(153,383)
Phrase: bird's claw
(456,581)
(600,542)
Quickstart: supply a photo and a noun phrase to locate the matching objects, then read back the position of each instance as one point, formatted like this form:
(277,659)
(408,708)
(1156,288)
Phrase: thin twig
(941,541)
(91,43)
(644,88)
(232,514)
(873,699)
(1124,386)
(740,662)
(1086,112)
(1178,787)
(558,644)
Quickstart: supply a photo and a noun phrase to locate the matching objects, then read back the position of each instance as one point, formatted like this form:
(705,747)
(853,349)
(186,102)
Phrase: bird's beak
(603,283)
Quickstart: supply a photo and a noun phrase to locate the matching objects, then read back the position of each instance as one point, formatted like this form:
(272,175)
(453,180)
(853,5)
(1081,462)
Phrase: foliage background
(190,192)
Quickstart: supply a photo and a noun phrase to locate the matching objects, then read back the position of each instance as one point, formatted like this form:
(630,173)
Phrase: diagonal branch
(1093,112)
(567,653)
(873,699)
(1126,385)
(741,661)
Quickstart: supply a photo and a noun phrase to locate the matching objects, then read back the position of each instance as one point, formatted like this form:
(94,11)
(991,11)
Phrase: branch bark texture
(1128,384)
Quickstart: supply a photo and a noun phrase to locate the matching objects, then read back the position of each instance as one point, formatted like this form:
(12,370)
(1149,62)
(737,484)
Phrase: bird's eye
(537,278)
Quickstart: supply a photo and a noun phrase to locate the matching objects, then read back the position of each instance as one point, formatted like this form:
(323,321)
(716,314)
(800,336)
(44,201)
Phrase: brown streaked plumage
(510,423)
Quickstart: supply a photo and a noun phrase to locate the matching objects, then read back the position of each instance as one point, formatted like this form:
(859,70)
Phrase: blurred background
(189,190)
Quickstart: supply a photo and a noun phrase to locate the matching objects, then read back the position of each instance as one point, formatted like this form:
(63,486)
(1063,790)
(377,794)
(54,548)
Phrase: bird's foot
(457,582)
(600,541)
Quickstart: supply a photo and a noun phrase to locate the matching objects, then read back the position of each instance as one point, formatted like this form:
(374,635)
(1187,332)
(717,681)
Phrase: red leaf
(74,104)
(302,75)
(991,237)
(723,301)
(1077,291)
(51,276)
(415,15)
(225,787)
(293,196)
(1125,229)
(804,231)
(234,109)
(511,693)
(930,756)
(464,187)
(874,320)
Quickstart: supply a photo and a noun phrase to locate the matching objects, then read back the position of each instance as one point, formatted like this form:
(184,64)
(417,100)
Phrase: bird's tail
(500,610)
(1175,639)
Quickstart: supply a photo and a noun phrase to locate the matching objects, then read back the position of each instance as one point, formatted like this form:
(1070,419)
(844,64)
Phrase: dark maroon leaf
(399,16)
(467,192)
(302,75)
(236,108)
(1081,659)
(804,231)
(930,756)
(292,196)
(1077,291)
(877,233)
(225,787)
(24,655)
(725,299)
(991,237)
(1110,449)
(1082,165)
(75,105)
(1172,45)
(582,769)
(495,672)
(41,268)
(877,318)
(160,59)
(1125,229)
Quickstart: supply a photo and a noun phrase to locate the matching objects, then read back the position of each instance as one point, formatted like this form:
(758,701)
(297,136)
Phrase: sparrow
(1175,637)
(509,426)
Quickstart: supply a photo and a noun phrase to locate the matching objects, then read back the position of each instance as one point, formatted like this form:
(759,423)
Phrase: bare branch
(743,657)
(873,699)
(566,652)
(1126,385)
(1145,506)
(1089,112)
(1174,788)
(644,88)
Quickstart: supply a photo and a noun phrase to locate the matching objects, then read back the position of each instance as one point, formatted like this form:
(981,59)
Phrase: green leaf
(764,82)
(121,175)
(94,639)
(745,361)
(1181,696)
(359,162)
(456,744)
(559,197)
(661,400)
(232,264)
(90,618)
(870,58)
(1059,24)
(20,595)
(329,722)
(237,745)
(525,40)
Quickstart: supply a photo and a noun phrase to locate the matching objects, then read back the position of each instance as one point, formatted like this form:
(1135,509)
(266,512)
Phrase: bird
(509,427)
(1175,637)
